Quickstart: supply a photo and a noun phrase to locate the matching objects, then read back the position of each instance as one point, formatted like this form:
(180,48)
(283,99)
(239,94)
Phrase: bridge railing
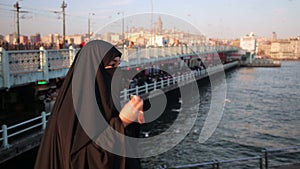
(8,132)
(181,80)
(142,55)
(146,88)
(261,161)
(25,66)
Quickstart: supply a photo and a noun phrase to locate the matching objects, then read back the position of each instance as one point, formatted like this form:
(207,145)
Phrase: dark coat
(65,143)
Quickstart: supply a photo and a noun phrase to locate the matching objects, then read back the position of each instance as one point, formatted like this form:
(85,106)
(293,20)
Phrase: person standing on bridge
(72,139)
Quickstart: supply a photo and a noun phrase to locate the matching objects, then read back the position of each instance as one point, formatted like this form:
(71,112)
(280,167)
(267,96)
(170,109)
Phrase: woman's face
(114,63)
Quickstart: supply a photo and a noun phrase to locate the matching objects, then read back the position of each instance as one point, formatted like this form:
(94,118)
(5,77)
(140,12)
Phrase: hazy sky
(215,18)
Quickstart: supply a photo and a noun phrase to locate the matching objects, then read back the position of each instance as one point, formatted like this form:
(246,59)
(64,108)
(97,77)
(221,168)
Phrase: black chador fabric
(65,144)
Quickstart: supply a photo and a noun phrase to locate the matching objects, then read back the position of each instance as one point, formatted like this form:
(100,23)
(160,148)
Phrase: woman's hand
(132,111)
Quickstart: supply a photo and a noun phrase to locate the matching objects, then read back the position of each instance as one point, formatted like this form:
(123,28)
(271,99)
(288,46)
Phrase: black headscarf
(65,143)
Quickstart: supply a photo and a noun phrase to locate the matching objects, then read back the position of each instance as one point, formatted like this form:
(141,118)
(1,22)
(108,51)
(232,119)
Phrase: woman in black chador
(70,141)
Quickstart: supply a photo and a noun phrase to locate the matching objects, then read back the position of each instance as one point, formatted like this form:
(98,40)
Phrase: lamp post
(89,25)
(63,6)
(123,36)
(18,22)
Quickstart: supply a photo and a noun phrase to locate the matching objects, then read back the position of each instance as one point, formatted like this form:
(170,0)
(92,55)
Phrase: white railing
(182,79)
(25,66)
(262,161)
(29,124)
(146,88)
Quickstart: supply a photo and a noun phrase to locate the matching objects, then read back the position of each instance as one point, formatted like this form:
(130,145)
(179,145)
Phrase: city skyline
(228,19)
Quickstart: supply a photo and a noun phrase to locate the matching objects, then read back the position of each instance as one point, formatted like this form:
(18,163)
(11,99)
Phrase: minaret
(274,36)
(158,26)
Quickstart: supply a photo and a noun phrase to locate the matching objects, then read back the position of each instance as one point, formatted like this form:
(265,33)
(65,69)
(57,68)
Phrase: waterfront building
(283,49)
(235,42)
(295,44)
(248,43)
(264,49)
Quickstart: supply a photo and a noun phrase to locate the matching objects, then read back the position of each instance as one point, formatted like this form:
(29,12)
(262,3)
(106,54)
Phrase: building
(36,38)
(248,43)
(23,39)
(274,36)
(295,44)
(285,49)
(56,39)
(49,39)
(115,38)
(11,38)
(75,39)
(141,41)
(235,42)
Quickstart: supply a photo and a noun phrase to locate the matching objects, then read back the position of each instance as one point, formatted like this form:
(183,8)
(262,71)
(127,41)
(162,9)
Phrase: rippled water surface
(262,111)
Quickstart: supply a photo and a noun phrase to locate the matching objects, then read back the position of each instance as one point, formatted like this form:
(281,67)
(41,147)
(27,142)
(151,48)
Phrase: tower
(274,36)
(158,26)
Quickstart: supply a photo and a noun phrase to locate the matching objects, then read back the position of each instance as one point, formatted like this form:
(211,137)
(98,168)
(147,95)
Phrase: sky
(224,19)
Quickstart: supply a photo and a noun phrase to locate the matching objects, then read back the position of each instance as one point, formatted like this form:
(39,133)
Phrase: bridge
(21,68)
(30,66)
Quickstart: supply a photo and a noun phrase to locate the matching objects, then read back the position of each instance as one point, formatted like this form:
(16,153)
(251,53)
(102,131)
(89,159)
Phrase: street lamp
(63,6)
(89,25)
(123,36)
(18,22)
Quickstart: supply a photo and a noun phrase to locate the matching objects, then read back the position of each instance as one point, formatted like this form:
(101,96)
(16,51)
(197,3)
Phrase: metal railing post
(44,63)
(217,164)
(138,54)
(146,88)
(266,159)
(72,53)
(44,120)
(137,90)
(181,48)
(147,53)
(125,53)
(5,67)
(5,137)
(125,94)
(260,163)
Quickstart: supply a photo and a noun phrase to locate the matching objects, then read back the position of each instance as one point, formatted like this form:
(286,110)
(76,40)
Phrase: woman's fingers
(137,102)
(141,119)
(132,111)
